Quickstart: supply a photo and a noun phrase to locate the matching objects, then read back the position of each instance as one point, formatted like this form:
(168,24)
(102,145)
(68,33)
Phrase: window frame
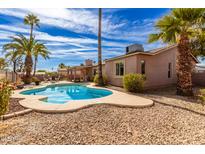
(143,71)
(169,73)
(117,69)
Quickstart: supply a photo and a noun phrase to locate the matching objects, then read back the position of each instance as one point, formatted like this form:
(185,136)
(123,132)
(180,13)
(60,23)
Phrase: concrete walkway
(117,98)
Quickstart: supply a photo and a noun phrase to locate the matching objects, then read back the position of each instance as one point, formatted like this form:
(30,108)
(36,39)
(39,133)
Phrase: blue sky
(71,34)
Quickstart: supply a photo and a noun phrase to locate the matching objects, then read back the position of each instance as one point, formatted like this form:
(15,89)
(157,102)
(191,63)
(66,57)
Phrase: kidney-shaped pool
(62,93)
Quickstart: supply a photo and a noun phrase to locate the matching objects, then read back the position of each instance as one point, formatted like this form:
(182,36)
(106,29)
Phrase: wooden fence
(198,78)
(10,76)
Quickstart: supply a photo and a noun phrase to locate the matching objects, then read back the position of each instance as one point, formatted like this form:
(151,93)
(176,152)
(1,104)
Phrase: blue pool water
(63,93)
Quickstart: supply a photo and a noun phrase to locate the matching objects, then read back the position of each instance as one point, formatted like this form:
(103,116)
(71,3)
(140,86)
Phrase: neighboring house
(85,72)
(62,71)
(158,65)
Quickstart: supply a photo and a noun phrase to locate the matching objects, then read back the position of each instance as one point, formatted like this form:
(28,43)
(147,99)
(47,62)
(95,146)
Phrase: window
(119,69)
(142,67)
(169,70)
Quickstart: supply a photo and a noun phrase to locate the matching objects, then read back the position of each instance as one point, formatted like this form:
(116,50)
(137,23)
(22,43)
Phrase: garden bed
(14,105)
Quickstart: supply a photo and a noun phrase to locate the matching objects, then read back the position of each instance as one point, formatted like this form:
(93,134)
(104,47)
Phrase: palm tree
(25,47)
(177,28)
(13,56)
(39,50)
(31,20)
(100,76)
(198,44)
(62,65)
(3,63)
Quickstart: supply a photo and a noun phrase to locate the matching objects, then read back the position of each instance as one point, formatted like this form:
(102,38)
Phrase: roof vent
(134,48)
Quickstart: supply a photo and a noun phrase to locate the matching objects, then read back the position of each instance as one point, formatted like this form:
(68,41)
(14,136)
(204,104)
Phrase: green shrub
(134,82)
(5,93)
(36,80)
(105,81)
(41,71)
(92,79)
(201,95)
(26,80)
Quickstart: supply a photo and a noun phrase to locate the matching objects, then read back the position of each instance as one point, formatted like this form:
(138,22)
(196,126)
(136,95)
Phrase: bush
(91,79)
(201,95)
(105,81)
(5,93)
(134,82)
(26,80)
(36,80)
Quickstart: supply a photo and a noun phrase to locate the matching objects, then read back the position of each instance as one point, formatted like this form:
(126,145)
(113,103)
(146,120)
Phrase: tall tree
(100,76)
(62,65)
(198,44)
(3,63)
(31,20)
(14,56)
(178,28)
(25,47)
(39,50)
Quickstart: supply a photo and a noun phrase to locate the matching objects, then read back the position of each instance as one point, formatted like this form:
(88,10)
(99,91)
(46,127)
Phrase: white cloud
(77,20)
(117,32)
(86,21)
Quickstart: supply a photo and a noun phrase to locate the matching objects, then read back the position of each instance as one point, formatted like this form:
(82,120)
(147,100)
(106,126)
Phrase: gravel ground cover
(14,106)
(105,124)
(168,96)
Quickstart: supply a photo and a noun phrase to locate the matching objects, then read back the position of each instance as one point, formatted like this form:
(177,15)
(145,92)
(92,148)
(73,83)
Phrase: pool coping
(117,98)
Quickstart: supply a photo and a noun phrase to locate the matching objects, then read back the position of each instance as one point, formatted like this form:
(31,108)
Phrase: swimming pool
(63,93)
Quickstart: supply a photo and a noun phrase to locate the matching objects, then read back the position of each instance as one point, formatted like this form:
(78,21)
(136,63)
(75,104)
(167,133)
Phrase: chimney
(134,48)
(88,62)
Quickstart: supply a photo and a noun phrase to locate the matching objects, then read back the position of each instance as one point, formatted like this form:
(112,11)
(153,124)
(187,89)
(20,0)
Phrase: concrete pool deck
(117,98)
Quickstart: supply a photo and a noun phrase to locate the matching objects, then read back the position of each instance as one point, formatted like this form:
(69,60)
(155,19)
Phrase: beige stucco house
(158,65)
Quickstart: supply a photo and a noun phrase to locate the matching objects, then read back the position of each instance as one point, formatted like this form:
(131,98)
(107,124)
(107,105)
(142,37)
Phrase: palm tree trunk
(100,77)
(35,63)
(31,33)
(14,66)
(14,71)
(28,59)
(28,65)
(184,67)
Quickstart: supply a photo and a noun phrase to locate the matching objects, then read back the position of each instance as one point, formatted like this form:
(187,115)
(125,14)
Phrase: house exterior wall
(63,72)
(156,68)
(130,65)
